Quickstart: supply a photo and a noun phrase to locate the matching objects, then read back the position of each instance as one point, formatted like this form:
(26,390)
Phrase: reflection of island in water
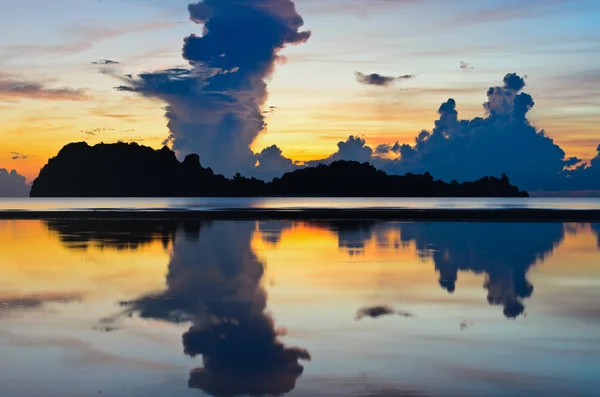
(214,282)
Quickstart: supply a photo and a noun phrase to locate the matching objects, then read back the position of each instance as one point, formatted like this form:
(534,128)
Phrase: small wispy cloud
(13,88)
(93,132)
(466,66)
(105,62)
(18,156)
(83,37)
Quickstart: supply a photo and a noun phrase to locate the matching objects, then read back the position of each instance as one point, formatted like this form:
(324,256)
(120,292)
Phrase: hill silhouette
(131,170)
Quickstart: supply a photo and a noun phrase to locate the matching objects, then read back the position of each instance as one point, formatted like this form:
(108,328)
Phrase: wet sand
(513,215)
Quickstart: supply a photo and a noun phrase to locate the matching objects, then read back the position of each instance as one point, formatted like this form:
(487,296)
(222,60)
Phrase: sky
(56,85)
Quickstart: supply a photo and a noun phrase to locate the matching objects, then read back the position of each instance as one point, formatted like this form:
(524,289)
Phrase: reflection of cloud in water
(504,252)
(596,230)
(380,311)
(271,231)
(215,283)
(35,301)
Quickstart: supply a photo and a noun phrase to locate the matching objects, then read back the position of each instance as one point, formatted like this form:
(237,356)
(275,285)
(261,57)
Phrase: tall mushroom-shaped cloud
(214,107)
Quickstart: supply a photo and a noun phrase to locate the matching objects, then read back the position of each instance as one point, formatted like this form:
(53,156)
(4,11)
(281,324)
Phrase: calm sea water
(176,204)
(377,309)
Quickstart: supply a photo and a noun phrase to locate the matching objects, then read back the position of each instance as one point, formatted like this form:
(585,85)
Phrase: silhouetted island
(131,170)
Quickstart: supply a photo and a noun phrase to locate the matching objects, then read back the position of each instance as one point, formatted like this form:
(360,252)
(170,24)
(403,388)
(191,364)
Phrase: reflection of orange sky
(33,261)
(306,265)
(576,255)
(308,259)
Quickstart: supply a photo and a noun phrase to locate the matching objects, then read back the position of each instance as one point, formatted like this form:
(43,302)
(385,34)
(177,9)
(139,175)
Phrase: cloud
(352,149)
(83,37)
(12,89)
(18,156)
(497,13)
(357,7)
(271,163)
(270,110)
(380,311)
(383,149)
(380,80)
(584,177)
(214,282)
(94,131)
(504,141)
(105,62)
(215,106)
(12,184)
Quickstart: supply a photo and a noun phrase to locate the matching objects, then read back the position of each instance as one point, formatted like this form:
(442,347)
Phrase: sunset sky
(54,88)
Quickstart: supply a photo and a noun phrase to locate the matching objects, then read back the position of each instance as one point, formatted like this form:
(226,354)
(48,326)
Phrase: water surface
(287,203)
(171,308)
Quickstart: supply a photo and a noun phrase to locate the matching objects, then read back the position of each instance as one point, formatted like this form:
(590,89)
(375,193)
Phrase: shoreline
(515,215)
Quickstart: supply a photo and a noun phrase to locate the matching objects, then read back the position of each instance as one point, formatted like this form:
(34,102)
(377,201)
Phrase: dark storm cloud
(506,101)
(215,107)
(13,89)
(380,80)
(12,184)
(504,141)
(214,282)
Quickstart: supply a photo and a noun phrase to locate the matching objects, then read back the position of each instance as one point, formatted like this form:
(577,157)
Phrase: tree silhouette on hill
(131,170)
